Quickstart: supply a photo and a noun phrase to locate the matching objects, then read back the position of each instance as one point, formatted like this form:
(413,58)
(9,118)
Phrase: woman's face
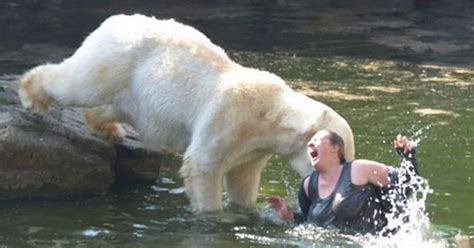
(320,148)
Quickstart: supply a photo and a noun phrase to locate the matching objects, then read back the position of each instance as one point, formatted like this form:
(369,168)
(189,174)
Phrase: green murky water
(382,68)
(379,99)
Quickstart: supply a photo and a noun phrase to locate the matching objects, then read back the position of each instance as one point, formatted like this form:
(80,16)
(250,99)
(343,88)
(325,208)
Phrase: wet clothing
(351,208)
(348,207)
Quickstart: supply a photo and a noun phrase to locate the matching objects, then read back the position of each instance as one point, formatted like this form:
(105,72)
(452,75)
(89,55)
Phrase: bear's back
(135,31)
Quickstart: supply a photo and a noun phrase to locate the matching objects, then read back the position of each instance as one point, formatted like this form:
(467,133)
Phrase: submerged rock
(55,156)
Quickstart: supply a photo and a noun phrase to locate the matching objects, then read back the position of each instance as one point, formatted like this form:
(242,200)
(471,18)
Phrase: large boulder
(55,156)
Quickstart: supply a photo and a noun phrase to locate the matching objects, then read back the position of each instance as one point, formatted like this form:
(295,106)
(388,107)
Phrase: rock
(135,164)
(55,156)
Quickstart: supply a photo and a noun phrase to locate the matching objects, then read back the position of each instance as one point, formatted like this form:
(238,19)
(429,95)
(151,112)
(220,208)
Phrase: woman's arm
(368,171)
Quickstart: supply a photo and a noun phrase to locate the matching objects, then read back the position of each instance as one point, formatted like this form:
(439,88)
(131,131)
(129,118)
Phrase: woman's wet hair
(336,140)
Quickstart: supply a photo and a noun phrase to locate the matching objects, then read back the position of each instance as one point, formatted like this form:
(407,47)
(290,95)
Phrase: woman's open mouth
(313,154)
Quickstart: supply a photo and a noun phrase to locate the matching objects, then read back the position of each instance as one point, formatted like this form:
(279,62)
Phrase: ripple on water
(94,232)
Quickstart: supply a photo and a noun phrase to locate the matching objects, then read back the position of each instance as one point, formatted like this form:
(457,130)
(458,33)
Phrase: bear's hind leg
(242,182)
(103,121)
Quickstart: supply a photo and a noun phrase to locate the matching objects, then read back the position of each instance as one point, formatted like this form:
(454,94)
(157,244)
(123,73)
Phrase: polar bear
(182,92)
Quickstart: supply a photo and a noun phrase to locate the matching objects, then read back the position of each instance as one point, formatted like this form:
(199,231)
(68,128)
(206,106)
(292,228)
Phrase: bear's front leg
(203,184)
(242,182)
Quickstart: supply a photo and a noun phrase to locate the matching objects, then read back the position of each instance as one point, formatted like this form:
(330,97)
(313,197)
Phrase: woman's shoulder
(306,181)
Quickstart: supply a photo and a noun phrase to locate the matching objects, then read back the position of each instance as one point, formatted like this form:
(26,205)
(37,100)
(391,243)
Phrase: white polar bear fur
(182,92)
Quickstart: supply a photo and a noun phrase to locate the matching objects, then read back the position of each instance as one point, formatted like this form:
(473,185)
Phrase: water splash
(408,223)
(420,133)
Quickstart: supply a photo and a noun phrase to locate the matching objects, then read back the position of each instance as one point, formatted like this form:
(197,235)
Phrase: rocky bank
(55,156)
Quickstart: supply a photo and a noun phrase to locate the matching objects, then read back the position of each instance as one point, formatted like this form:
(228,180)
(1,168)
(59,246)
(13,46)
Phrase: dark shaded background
(429,31)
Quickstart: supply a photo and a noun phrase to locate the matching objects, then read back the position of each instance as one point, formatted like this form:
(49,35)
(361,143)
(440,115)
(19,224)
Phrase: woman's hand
(281,207)
(402,143)
(406,150)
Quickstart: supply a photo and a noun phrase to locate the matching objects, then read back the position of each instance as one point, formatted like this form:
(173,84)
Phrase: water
(388,67)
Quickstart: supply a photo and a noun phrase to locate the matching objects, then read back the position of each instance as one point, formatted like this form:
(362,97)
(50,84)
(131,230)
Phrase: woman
(341,194)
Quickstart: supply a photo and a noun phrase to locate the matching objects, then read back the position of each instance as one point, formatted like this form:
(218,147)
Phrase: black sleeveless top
(350,207)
